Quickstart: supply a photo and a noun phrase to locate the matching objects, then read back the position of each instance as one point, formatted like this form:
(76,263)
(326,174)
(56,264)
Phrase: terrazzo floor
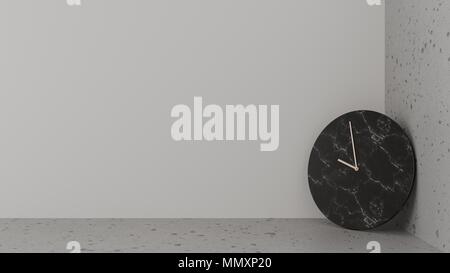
(196,235)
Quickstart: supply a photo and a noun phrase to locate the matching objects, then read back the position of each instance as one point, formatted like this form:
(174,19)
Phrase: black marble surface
(374,194)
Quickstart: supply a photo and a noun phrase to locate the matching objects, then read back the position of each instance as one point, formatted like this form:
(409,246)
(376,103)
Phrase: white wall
(86,94)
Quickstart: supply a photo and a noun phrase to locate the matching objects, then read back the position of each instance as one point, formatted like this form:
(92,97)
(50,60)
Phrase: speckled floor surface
(196,235)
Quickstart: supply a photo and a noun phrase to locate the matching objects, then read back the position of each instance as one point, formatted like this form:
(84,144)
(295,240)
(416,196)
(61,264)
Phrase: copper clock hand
(353,146)
(348,165)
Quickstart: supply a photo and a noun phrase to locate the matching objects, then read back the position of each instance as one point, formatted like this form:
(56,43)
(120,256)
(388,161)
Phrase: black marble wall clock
(361,170)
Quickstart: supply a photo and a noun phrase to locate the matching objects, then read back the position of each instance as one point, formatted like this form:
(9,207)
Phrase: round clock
(361,170)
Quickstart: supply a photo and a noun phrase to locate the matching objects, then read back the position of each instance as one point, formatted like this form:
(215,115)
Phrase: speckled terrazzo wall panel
(418,97)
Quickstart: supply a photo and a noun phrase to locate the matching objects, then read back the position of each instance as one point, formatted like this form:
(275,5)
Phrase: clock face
(361,170)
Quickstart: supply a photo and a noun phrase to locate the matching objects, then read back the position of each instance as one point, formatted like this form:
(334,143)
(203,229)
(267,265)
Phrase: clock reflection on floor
(361,170)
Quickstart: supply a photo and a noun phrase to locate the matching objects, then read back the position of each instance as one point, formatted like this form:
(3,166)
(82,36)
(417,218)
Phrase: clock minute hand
(353,146)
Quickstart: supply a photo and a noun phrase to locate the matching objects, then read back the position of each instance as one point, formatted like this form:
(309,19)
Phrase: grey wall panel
(86,94)
(418,96)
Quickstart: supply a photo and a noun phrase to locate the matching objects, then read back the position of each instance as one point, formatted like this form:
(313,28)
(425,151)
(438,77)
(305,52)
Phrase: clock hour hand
(348,165)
